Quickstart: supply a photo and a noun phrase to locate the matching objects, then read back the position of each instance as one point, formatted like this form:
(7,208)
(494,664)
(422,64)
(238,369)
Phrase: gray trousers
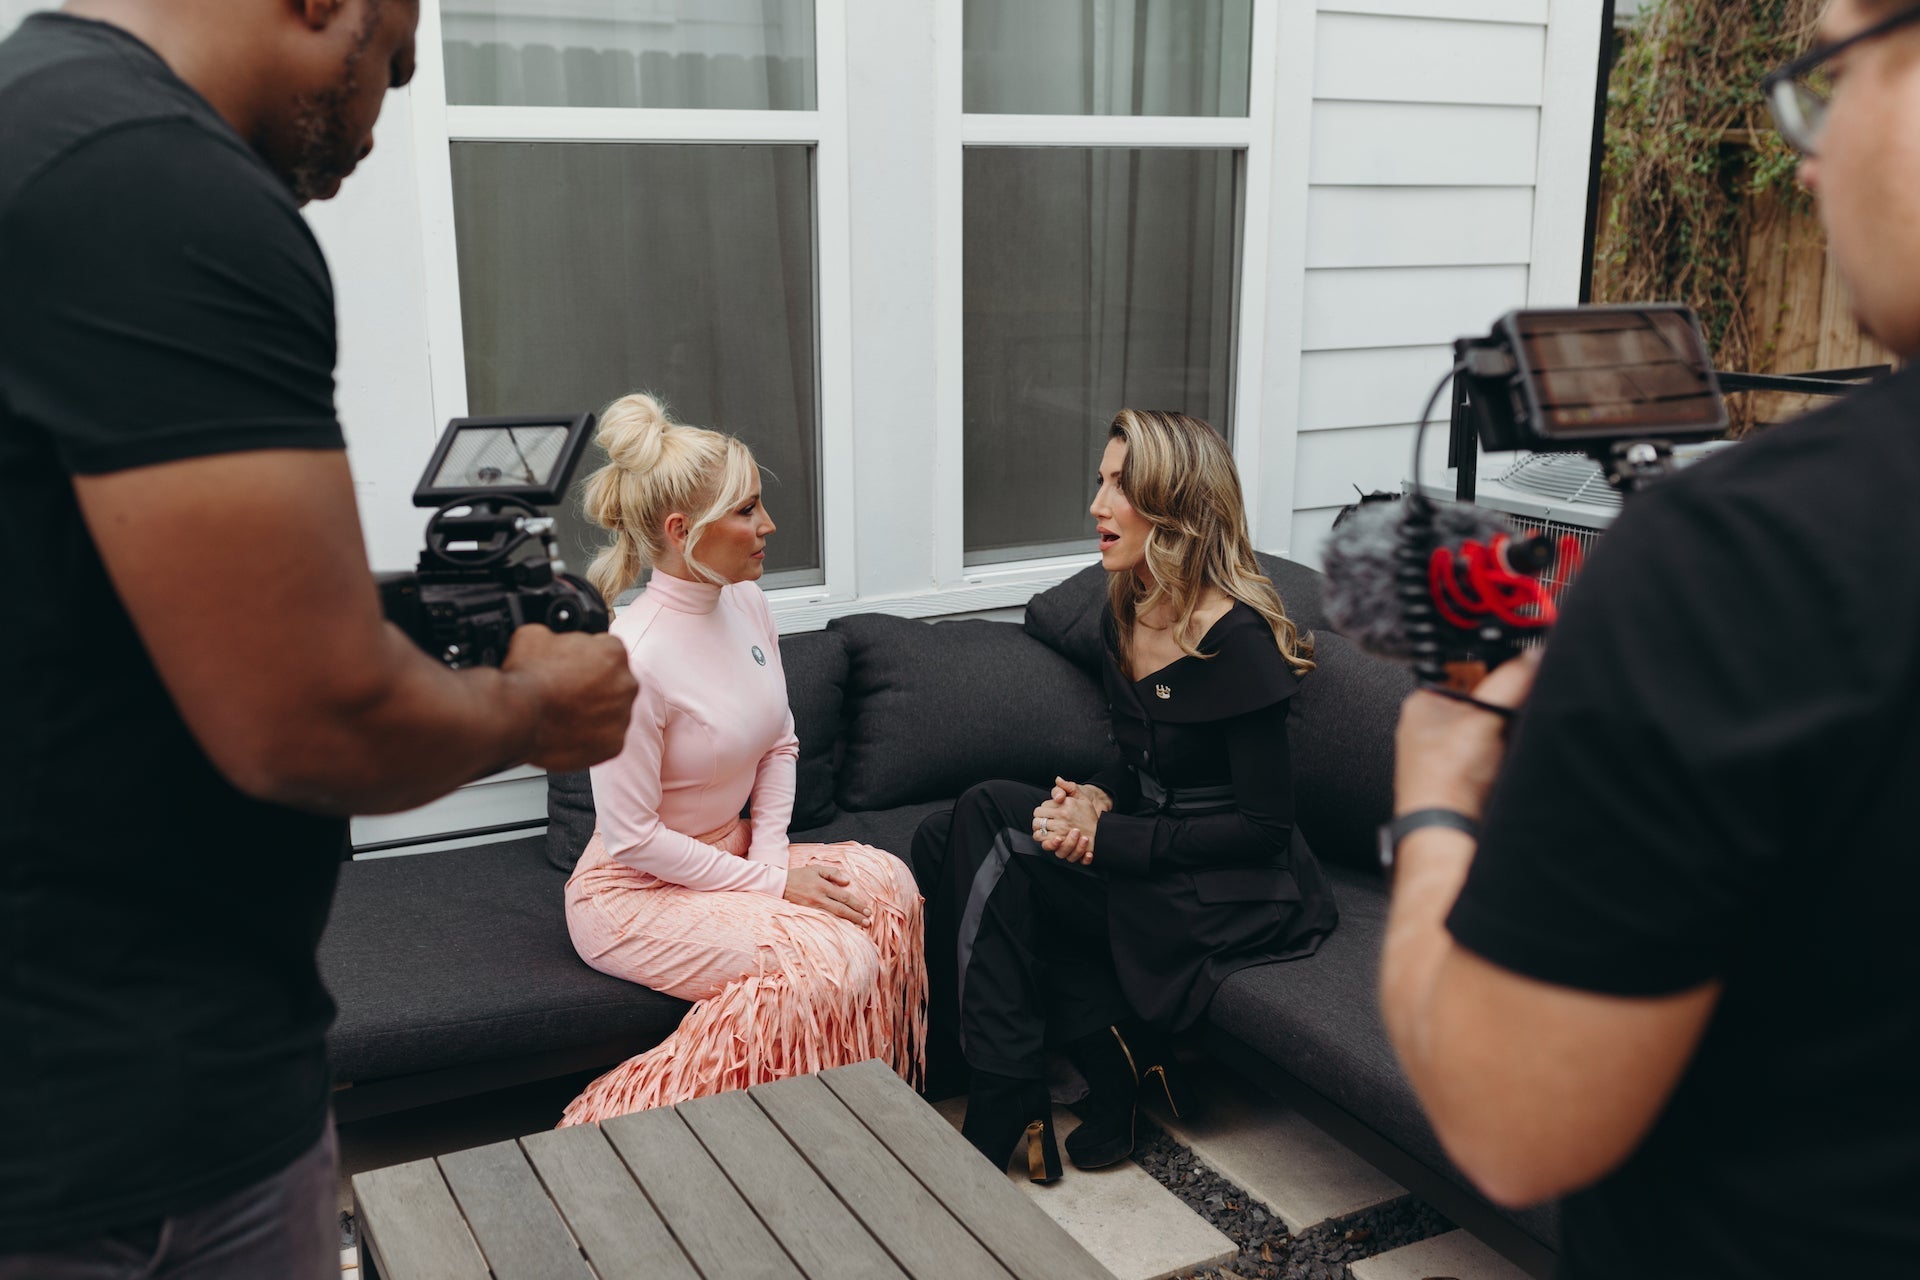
(286,1225)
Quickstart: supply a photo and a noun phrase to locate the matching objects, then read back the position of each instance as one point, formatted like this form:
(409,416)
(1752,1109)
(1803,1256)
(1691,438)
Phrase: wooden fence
(1797,308)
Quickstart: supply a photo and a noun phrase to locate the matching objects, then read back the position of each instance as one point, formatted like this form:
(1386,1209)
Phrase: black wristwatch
(1392,833)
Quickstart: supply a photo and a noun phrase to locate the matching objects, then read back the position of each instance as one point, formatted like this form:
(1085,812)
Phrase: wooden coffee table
(842,1174)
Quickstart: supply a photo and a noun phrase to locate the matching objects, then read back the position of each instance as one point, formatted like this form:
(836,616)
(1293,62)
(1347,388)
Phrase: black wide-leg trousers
(1018,951)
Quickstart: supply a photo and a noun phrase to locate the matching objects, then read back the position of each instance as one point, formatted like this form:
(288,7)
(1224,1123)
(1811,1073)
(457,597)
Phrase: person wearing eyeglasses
(1651,952)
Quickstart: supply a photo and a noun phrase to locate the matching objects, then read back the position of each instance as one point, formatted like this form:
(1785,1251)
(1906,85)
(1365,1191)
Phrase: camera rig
(1622,384)
(491,564)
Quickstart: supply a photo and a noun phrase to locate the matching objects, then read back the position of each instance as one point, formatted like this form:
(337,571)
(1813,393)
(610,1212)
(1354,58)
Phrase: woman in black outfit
(1103,916)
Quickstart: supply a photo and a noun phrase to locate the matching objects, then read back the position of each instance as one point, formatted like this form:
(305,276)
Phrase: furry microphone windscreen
(1361,559)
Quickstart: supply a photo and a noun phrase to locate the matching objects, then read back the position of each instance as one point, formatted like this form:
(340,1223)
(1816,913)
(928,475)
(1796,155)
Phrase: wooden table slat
(411,1227)
(1028,1242)
(617,1228)
(817,1231)
(915,1228)
(695,1199)
(508,1211)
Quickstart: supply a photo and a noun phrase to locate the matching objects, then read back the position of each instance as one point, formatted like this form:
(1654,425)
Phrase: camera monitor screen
(531,459)
(1617,371)
(495,457)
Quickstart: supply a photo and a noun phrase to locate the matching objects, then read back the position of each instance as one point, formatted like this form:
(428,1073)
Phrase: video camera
(1453,589)
(491,564)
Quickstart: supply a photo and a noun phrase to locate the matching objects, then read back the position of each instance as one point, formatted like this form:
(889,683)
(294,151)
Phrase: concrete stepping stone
(1135,1227)
(1273,1153)
(1454,1255)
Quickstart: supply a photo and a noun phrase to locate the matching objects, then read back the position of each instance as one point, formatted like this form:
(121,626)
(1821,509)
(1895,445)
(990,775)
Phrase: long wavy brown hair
(1180,475)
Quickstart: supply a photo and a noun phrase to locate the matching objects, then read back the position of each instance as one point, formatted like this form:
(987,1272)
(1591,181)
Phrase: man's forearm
(1430,868)
(411,735)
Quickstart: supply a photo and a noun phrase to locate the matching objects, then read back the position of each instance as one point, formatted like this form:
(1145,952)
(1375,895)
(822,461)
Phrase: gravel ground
(1267,1250)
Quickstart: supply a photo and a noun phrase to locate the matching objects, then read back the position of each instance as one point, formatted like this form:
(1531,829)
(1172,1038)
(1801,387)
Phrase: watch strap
(1392,833)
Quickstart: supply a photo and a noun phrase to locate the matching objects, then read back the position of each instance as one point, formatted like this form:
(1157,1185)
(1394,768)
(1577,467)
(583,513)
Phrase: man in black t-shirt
(1674,980)
(200,685)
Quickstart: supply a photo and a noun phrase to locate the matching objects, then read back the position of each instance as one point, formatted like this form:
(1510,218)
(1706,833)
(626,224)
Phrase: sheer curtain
(719,54)
(588,270)
(1107,57)
(1095,278)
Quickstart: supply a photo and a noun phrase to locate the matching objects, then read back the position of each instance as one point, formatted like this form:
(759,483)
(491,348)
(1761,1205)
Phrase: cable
(1420,431)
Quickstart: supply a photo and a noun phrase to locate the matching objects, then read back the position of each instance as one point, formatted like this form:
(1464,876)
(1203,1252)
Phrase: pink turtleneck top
(710,730)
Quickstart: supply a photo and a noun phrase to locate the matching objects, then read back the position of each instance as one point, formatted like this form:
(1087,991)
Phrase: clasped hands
(1064,823)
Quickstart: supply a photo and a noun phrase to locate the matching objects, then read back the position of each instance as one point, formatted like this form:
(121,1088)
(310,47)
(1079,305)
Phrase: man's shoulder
(1866,441)
(70,87)
(1830,483)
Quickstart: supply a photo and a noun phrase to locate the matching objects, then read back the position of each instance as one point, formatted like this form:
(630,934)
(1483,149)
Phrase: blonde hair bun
(633,431)
(655,468)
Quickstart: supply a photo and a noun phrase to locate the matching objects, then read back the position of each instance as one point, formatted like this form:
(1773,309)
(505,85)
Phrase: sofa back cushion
(1342,746)
(816,667)
(1066,618)
(570,817)
(933,708)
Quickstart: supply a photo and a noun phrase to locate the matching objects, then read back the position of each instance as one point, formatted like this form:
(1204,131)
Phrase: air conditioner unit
(1557,494)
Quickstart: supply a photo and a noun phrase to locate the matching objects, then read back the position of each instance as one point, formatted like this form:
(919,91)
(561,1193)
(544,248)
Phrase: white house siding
(1446,184)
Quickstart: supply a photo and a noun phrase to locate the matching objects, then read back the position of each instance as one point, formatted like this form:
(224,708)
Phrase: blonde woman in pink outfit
(798,957)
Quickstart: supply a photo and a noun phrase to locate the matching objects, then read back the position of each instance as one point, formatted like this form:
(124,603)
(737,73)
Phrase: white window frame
(437,126)
(1257,432)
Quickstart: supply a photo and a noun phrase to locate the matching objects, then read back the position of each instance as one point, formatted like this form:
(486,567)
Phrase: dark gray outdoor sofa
(454,973)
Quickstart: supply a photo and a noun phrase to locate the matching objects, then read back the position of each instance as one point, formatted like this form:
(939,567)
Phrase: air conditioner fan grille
(1566,477)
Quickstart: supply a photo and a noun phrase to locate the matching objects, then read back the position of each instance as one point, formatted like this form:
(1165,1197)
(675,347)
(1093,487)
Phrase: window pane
(588,270)
(1096,280)
(741,54)
(1108,57)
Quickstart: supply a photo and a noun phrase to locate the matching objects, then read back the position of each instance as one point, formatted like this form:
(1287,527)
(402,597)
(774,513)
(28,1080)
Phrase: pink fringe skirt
(779,989)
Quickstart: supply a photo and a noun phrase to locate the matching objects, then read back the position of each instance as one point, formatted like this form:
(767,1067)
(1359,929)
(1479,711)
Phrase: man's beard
(321,157)
(323,151)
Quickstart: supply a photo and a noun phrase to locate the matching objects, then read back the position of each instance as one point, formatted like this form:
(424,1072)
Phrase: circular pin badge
(758,656)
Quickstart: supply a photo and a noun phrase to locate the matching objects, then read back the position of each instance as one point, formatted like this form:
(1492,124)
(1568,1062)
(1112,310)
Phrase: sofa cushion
(1342,745)
(889,829)
(570,817)
(933,708)
(816,666)
(1318,1019)
(1066,618)
(459,956)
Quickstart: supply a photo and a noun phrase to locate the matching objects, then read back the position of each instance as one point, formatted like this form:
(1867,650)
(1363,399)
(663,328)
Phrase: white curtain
(1107,57)
(715,54)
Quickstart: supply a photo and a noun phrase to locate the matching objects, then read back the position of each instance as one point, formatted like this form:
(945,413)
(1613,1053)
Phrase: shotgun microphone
(1450,590)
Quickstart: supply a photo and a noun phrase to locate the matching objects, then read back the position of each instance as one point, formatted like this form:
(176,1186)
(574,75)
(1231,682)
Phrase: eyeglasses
(1799,93)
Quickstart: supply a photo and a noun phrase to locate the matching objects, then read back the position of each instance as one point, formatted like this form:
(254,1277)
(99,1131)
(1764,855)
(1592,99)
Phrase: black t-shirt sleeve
(1694,696)
(166,302)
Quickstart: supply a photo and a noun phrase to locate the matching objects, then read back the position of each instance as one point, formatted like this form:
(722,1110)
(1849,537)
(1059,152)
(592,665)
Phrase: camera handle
(474,535)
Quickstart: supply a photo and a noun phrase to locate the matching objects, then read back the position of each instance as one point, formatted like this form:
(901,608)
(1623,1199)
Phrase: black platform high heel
(1113,1085)
(1001,1111)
